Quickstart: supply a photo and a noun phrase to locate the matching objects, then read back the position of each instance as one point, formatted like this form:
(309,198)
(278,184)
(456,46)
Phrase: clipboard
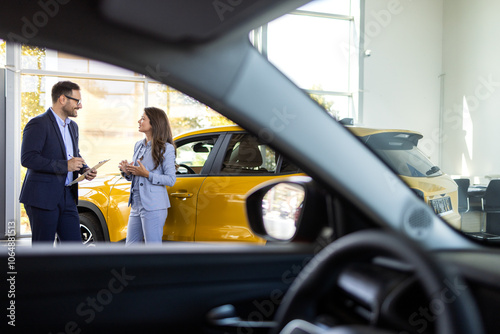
(82,177)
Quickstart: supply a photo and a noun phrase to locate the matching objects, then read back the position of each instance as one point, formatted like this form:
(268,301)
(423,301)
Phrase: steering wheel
(189,169)
(456,314)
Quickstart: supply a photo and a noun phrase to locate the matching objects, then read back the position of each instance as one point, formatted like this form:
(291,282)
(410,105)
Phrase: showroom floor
(471,221)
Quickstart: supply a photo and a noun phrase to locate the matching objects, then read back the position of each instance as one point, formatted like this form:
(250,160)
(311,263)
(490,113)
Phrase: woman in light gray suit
(152,168)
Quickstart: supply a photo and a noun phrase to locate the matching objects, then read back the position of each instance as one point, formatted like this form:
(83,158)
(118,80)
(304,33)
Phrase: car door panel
(243,163)
(118,210)
(221,208)
(149,289)
(181,220)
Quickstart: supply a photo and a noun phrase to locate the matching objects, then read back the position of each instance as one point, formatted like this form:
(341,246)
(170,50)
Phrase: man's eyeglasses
(72,98)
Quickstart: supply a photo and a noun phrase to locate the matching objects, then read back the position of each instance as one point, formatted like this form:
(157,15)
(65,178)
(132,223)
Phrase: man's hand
(91,174)
(75,164)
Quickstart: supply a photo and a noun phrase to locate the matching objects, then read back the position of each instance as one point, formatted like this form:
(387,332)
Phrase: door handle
(182,195)
(225,316)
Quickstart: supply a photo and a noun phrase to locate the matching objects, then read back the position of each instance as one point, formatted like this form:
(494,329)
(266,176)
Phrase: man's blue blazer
(44,155)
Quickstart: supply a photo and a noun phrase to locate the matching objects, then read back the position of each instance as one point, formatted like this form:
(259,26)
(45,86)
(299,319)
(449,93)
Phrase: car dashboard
(386,293)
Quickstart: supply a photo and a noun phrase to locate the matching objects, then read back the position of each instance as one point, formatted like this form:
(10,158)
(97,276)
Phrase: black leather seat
(491,207)
(246,158)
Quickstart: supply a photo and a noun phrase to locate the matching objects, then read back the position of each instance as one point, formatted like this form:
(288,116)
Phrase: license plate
(441,205)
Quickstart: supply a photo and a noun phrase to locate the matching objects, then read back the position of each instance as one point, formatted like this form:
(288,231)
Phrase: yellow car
(218,166)
(398,148)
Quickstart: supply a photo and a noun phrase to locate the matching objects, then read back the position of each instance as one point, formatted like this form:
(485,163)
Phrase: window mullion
(12,134)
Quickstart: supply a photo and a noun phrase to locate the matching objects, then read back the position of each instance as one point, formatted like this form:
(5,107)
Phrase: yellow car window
(192,155)
(246,155)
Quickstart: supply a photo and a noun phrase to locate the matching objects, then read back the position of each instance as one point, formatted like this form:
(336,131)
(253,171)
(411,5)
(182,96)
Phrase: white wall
(411,48)
(402,75)
(471,62)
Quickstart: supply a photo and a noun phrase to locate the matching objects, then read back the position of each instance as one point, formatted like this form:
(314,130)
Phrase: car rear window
(400,152)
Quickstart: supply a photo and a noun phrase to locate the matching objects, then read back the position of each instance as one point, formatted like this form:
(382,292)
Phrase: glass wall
(50,60)
(113,100)
(107,120)
(323,33)
(111,105)
(2,53)
(324,36)
(298,39)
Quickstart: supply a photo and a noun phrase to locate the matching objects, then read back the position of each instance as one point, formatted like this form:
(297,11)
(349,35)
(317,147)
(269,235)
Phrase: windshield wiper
(434,169)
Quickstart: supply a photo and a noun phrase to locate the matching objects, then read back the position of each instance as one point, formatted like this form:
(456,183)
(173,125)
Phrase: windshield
(420,78)
(373,62)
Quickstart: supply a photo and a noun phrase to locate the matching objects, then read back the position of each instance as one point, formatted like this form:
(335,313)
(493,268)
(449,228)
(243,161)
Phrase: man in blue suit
(50,153)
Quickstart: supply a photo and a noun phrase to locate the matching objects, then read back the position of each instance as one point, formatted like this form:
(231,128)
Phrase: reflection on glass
(281,208)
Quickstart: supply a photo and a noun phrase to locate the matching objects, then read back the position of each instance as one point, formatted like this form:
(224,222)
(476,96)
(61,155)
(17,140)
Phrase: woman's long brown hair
(162,133)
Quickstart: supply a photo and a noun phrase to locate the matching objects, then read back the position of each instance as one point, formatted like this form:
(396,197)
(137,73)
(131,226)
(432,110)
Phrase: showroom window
(320,57)
(113,100)
(2,53)
(317,47)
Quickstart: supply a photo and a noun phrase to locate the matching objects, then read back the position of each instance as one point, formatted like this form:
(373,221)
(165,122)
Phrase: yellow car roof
(225,128)
(356,130)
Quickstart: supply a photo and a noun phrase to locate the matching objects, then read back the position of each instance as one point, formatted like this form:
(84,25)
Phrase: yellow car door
(195,155)
(243,163)
(181,219)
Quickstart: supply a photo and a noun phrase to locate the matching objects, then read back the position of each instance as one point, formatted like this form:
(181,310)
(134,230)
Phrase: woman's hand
(138,170)
(123,166)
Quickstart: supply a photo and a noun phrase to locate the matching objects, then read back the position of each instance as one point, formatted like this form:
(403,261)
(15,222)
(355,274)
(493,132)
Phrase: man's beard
(70,112)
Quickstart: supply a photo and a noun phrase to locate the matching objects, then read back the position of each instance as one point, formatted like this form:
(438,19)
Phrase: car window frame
(216,169)
(279,165)
(217,165)
(207,167)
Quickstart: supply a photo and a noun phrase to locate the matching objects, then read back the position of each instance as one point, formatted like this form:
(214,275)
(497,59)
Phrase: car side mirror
(280,210)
